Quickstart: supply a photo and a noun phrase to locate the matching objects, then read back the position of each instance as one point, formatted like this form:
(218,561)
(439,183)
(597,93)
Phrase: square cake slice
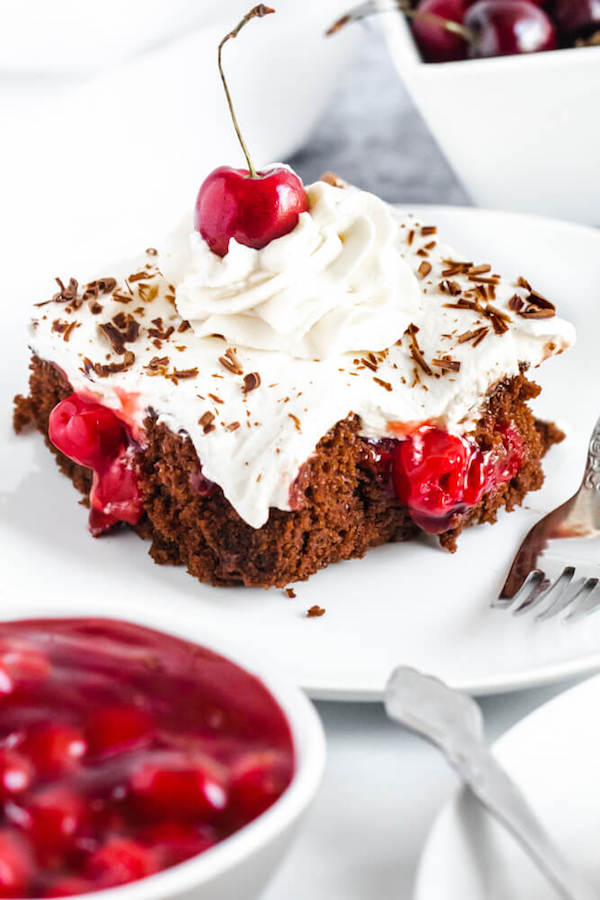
(260,415)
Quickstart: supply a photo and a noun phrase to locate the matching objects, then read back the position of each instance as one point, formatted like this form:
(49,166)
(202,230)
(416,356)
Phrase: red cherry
(87,432)
(251,210)
(507,27)
(182,789)
(6,682)
(53,818)
(257,781)
(114,729)
(16,774)
(252,207)
(115,495)
(576,17)
(437,43)
(54,749)
(120,861)
(68,887)
(23,662)
(174,842)
(16,867)
(429,473)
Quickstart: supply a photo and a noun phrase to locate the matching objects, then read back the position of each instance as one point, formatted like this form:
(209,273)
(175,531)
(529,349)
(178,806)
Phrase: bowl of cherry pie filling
(136,763)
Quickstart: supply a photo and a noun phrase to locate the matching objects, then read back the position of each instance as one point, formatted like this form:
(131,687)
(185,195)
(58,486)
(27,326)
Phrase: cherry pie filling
(124,752)
(436,474)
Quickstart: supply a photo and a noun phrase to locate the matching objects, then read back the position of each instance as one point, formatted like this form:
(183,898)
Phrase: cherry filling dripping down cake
(262,411)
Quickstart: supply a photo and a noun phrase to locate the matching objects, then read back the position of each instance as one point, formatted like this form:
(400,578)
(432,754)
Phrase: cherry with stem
(252,207)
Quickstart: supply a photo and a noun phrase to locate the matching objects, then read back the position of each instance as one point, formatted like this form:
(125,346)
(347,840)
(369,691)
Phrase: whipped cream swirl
(337,283)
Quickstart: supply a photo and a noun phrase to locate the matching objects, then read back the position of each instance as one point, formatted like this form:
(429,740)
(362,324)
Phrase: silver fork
(557,569)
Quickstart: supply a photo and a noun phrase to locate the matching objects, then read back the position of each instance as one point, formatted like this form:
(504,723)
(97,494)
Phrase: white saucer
(409,603)
(553,755)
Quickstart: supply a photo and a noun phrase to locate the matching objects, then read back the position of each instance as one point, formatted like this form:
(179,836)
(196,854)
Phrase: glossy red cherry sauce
(95,437)
(124,751)
(438,475)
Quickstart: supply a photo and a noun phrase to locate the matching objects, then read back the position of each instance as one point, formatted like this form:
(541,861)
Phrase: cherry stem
(256,12)
(370,8)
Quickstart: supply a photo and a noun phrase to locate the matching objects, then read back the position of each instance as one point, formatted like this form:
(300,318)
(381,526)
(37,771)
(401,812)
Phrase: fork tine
(583,609)
(530,584)
(537,595)
(563,601)
(551,591)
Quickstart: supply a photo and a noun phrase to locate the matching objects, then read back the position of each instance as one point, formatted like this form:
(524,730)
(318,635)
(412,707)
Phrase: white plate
(553,755)
(410,603)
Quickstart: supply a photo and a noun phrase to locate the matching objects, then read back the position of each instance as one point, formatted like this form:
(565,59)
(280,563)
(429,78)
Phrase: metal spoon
(453,722)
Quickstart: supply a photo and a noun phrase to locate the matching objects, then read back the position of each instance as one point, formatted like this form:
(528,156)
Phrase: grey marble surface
(373,136)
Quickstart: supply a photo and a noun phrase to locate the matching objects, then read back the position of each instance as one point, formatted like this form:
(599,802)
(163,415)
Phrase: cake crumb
(290,592)
(315,612)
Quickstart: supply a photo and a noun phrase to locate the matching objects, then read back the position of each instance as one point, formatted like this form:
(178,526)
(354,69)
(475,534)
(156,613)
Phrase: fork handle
(500,795)
(592,472)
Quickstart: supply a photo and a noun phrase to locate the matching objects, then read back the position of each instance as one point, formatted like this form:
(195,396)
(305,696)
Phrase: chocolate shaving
(102,371)
(157,365)
(516,303)
(464,304)
(185,373)
(483,334)
(121,297)
(230,362)
(424,269)
(251,382)
(159,331)
(233,426)
(428,229)
(481,279)
(479,270)
(450,287)
(295,420)
(476,334)
(206,422)
(383,384)
(183,326)
(522,282)
(148,292)
(369,364)
(101,286)
(537,307)
(450,365)
(151,251)
(498,319)
(415,351)
(141,276)
(68,294)
(123,329)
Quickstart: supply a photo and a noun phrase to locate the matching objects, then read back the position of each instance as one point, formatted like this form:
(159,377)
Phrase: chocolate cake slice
(260,415)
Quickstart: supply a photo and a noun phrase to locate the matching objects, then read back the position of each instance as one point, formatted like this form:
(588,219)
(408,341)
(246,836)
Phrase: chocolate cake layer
(344,505)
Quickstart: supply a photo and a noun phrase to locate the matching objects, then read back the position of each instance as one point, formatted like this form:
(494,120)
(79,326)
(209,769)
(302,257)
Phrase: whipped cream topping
(337,283)
(255,416)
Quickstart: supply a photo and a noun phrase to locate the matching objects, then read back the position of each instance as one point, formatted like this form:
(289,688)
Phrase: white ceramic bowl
(521,132)
(240,866)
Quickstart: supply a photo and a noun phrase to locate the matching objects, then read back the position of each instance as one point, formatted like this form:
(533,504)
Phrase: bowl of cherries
(510,90)
(138,765)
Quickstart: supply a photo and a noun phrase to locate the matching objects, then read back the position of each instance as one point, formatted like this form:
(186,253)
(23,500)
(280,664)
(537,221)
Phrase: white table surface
(382,787)
(382,790)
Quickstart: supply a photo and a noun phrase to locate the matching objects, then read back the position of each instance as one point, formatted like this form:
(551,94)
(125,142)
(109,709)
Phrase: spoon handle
(500,795)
